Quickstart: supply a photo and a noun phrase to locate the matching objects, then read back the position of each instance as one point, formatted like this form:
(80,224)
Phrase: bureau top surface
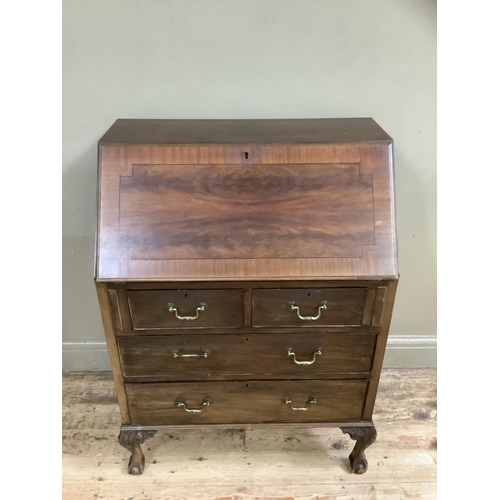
(288,131)
(245,200)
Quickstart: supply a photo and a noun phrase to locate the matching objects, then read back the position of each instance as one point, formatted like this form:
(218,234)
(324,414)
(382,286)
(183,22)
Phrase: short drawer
(246,401)
(195,357)
(300,307)
(176,309)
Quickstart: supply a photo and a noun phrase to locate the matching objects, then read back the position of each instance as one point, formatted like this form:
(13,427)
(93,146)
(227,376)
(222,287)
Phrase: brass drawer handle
(312,400)
(201,307)
(180,402)
(317,352)
(176,353)
(322,306)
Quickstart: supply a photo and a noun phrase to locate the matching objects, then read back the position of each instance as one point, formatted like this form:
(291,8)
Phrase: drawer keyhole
(246,155)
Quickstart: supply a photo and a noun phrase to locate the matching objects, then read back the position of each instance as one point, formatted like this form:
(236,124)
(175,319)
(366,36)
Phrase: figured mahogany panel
(198,357)
(245,402)
(256,210)
(246,212)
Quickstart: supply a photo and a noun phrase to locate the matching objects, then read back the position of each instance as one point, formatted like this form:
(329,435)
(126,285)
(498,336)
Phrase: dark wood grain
(246,212)
(228,356)
(296,131)
(149,309)
(246,402)
(271,307)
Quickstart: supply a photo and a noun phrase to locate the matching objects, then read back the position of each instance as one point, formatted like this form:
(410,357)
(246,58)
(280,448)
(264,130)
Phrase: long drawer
(246,401)
(191,357)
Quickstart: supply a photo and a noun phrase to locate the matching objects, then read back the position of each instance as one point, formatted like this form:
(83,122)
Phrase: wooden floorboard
(261,463)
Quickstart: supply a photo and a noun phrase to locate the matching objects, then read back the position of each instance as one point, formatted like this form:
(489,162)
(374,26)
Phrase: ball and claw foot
(364,437)
(132,440)
(136,462)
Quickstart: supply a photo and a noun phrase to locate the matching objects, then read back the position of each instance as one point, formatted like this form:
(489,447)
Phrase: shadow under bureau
(246,272)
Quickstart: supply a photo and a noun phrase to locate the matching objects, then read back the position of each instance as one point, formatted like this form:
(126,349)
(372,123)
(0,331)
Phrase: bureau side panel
(114,357)
(385,322)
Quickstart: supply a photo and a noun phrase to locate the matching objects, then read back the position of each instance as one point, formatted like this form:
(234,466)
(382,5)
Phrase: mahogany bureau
(246,272)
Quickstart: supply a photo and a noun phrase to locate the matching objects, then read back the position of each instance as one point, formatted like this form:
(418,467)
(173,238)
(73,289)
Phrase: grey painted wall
(252,59)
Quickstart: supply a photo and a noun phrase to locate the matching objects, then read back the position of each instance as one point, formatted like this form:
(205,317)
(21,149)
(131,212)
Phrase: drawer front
(246,402)
(301,307)
(185,357)
(177,309)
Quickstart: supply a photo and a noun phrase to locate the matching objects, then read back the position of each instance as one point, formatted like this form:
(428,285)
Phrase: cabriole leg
(364,437)
(132,440)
